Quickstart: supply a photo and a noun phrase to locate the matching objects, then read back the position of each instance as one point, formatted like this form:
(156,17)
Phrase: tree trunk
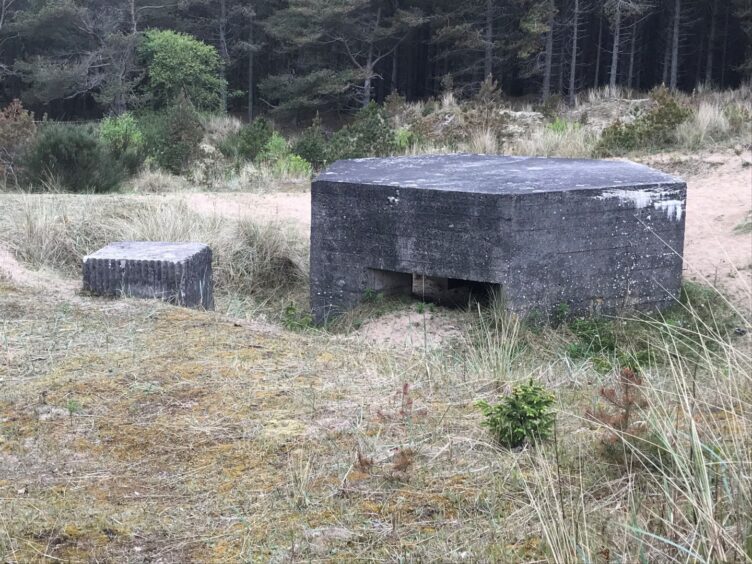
(395,70)
(666,63)
(725,47)
(711,44)
(134,21)
(597,80)
(369,63)
(251,56)
(573,62)
(223,54)
(675,45)
(615,52)
(560,86)
(700,56)
(546,92)
(395,62)
(632,48)
(488,60)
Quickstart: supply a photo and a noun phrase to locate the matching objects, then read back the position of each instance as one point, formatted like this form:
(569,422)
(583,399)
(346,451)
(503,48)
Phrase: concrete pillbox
(596,235)
(179,273)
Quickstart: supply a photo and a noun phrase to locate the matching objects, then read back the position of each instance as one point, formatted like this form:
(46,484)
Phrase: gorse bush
(655,128)
(172,138)
(312,145)
(75,158)
(369,135)
(523,416)
(248,142)
(124,139)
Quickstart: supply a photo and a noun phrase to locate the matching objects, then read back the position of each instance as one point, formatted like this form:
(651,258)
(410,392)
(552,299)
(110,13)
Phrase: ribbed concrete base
(179,273)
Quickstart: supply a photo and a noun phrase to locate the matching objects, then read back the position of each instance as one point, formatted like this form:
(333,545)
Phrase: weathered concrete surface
(596,235)
(180,273)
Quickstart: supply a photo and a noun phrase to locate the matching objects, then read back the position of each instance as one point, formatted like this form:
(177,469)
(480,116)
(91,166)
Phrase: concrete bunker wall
(595,250)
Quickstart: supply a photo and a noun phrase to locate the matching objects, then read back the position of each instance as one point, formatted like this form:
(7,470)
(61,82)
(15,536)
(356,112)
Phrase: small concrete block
(599,236)
(179,273)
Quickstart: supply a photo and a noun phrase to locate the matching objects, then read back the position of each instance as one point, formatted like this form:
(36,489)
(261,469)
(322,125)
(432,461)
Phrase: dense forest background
(81,59)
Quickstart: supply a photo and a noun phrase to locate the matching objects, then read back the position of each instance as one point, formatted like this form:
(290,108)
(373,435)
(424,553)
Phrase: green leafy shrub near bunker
(523,416)
(312,145)
(248,141)
(172,138)
(74,157)
(124,139)
(369,135)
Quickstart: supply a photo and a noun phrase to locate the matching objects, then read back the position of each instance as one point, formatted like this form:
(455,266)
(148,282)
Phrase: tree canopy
(87,58)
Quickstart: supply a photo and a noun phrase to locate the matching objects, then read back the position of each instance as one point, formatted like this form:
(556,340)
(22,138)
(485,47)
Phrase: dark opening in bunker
(450,292)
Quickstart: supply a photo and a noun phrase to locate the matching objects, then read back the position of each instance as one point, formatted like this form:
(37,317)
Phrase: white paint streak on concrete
(674,208)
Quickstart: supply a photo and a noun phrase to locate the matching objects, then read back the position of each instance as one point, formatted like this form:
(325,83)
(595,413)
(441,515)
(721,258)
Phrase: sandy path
(293,207)
(718,201)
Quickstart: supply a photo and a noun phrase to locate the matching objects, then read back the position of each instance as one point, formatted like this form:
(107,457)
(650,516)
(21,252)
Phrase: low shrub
(75,157)
(277,158)
(523,416)
(626,440)
(17,131)
(405,139)
(369,135)
(312,145)
(274,149)
(124,139)
(172,138)
(248,141)
(655,128)
(291,166)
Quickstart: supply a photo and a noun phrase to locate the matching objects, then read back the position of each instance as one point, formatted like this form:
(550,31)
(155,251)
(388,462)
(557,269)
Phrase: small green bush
(172,138)
(523,416)
(292,166)
(369,135)
(124,139)
(276,154)
(75,157)
(404,139)
(248,142)
(276,148)
(656,128)
(312,145)
(296,320)
(595,336)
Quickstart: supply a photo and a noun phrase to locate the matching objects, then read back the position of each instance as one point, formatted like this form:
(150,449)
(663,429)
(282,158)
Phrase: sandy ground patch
(18,274)
(719,199)
(413,330)
(293,207)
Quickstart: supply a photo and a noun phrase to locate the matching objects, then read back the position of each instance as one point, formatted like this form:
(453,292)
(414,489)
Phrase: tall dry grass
(57,231)
(482,141)
(707,126)
(546,140)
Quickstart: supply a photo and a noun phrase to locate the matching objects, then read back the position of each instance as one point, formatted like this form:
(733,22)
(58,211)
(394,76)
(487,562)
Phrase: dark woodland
(80,59)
